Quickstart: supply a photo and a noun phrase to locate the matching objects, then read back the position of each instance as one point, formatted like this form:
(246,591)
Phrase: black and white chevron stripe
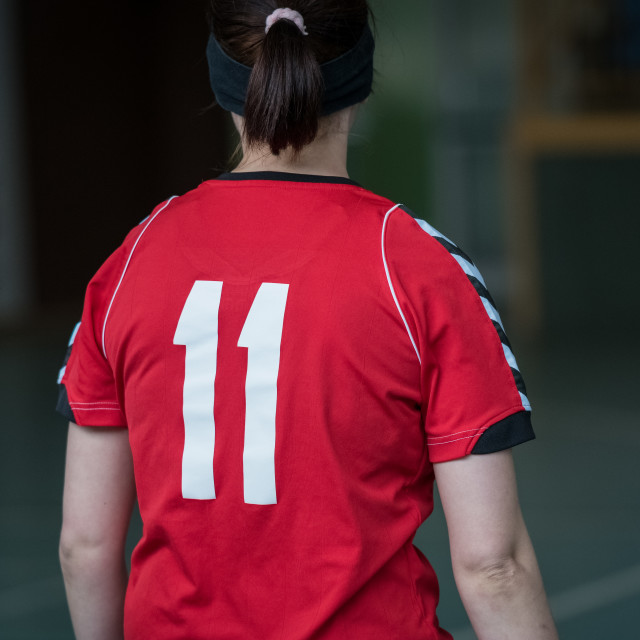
(478,283)
(74,333)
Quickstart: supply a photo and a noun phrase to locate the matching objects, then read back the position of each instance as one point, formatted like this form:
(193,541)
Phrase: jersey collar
(286,177)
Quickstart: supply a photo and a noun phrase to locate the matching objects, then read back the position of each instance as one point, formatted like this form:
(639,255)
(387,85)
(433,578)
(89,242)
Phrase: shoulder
(417,250)
(435,283)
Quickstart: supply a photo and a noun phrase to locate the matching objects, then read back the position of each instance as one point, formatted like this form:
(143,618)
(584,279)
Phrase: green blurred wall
(390,146)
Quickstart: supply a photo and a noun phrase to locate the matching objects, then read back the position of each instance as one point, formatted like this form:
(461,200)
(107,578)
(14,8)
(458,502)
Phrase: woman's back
(273,475)
(291,356)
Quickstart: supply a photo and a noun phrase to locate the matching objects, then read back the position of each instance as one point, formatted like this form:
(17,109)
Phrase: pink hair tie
(286,14)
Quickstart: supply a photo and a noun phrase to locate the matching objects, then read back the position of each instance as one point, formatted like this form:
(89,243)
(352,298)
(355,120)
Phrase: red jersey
(290,355)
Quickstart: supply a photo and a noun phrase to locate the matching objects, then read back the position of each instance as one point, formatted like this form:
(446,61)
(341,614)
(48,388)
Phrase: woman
(285,361)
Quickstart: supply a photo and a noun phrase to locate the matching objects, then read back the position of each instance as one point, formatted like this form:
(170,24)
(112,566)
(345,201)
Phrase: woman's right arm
(99,493)
(493,560)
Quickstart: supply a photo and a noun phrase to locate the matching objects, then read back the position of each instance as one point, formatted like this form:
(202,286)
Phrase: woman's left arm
(99,493)
(493,561)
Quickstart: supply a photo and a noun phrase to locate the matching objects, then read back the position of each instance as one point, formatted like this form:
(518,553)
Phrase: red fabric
(467,384)
(355,411)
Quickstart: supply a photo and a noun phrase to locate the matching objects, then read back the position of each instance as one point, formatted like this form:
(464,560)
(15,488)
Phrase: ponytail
(264,66)
(284,96)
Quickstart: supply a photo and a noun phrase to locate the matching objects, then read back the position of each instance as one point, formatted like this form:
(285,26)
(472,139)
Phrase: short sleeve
(88,392)
(473,396)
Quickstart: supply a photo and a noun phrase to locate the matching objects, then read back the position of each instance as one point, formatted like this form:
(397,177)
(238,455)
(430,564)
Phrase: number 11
(197,330)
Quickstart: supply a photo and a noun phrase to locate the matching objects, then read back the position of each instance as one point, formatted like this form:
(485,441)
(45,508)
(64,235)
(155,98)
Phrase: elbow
(492,577)
(496,565)
(70,551)
(501,575)
(83,555)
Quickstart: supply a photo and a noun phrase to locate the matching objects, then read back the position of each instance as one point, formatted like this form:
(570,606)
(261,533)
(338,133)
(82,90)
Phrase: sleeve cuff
(505,434)
(90,414)
(63,407)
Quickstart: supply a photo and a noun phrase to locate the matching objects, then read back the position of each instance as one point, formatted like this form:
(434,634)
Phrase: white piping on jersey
(73,404)
(393,293)
(95,408)
(104,326)
(471,270)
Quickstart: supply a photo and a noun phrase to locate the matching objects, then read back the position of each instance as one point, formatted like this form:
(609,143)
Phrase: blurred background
(511,125)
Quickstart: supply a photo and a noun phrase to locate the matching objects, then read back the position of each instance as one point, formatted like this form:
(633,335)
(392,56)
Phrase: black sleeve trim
(505,434)
(63,406)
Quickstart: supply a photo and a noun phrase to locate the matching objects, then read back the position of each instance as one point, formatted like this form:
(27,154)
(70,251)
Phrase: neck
(325,156)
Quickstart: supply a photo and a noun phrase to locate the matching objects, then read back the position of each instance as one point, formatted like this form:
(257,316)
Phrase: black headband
(347,79)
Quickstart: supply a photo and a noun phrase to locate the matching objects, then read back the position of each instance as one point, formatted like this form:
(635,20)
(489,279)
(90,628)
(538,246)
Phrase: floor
(579,487)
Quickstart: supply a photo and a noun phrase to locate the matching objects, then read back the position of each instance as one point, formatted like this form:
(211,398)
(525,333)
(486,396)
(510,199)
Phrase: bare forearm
(493,559)
(507,601)
(95,584)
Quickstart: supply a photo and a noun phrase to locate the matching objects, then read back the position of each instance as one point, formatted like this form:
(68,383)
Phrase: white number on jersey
(197,330)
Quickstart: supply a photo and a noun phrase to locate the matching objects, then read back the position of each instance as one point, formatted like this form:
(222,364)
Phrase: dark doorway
(116,97)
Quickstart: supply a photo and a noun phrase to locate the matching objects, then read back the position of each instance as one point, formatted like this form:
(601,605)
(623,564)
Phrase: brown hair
(285,93)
